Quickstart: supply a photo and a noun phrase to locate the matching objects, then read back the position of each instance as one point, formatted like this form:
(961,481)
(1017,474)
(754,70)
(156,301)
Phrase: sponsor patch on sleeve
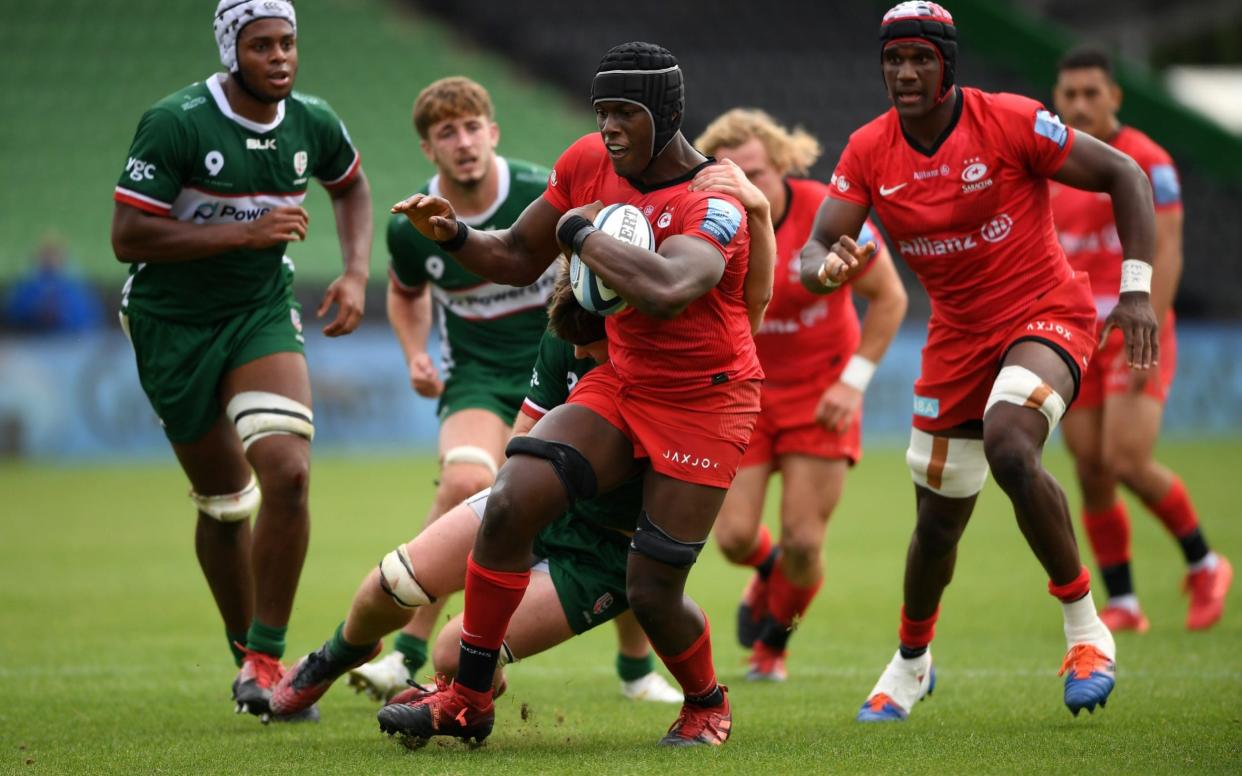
(1050,126)
(1165,187)
(722,220)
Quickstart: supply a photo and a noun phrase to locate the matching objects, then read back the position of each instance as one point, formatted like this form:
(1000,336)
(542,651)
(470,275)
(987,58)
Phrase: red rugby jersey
(971,216)
(711,337)
(805,335)
(1084,219)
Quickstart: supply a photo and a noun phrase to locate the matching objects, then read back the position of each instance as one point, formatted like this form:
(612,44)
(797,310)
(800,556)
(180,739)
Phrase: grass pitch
(112,658)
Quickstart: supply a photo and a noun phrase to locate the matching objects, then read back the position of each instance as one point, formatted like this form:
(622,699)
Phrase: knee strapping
(398,581)
(258,414)
(650,539)
(571,466)
(471,454)
(230,507)
(956,468)
(1019,385)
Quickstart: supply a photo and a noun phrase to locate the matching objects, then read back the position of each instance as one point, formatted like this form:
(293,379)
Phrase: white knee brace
(1019,385)
(471,454)
(397,579)
(258,414)
(230,507)
(956,468)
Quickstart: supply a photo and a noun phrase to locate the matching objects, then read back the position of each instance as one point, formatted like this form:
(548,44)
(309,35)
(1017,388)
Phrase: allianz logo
(995,230)
(208,211)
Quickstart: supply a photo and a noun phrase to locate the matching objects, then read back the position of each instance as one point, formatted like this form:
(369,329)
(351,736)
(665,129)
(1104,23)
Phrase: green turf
(112,658)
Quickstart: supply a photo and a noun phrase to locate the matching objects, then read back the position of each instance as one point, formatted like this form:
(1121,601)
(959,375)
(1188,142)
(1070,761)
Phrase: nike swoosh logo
(885,191)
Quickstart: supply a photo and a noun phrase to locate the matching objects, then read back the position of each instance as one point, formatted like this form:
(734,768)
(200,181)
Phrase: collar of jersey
(647,188)
(502,193)
(222,102)
(957,114)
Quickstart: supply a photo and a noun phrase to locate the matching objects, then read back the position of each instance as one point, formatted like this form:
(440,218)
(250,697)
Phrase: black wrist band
(455,242)
(574,231)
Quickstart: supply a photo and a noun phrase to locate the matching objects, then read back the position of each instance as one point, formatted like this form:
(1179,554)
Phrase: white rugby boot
(903,684)
(381,679)
(651,687)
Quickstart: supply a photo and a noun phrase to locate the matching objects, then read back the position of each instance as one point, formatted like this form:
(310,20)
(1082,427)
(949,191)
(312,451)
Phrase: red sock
(785,599)
(693,668)
(1109,533)
(916,634)
(762,550)
(1073,590)
(491,598)
(1175,510)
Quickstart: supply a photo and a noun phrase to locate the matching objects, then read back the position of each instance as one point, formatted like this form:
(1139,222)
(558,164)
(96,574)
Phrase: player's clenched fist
(845,260)
(280,224)
(838,407)
(433,217)
(1137,321)
(424,377)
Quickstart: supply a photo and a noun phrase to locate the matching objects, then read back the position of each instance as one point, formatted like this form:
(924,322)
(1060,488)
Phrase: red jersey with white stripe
(1084,219)
(710,341)
(805,335)
(971,216)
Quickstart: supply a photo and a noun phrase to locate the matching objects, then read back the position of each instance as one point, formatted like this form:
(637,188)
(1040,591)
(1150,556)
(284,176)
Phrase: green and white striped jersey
(482,323)
(194,159)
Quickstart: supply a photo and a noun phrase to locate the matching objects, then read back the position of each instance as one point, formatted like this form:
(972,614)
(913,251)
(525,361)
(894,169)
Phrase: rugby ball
(620,222)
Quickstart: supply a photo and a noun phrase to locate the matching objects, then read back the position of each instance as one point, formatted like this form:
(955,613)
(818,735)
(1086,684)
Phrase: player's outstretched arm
(152,239)
(1096,166)
(727,177)
(660,283)
(409,314)
(516,256)
(351,207)
(831,257)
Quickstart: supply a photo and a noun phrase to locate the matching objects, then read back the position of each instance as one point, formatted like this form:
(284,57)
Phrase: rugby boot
(1207,588)
(1120,618)
(752,610)
(1089,677)
(767,664)
(414,691)
(701,725)
(903,684)
(252,689)
(651,687)
(451,710)
(381,679)
(309,679)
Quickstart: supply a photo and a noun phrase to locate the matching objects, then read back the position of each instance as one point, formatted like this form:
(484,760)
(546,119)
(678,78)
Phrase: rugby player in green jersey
(579,581)
(210,195)
(489,335)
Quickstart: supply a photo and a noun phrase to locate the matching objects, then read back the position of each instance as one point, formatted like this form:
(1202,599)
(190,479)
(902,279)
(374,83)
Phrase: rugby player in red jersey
(1112,429)
(678,398)
(958,176)
(817,366)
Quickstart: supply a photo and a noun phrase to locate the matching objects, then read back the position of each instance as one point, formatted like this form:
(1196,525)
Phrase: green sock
(345,652)
(266,639)
(414,650)
(631,668)
(234,640)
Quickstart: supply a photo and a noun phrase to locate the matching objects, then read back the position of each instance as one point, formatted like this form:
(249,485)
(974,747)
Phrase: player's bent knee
(398,581)
(954,468)
(259,414)
(471,454)
(1019,385)
(571,466)
(230,507)
(651,541)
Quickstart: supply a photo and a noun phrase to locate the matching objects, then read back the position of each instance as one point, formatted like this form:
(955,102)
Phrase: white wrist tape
(1135,276)
(823,278)
(858,372)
